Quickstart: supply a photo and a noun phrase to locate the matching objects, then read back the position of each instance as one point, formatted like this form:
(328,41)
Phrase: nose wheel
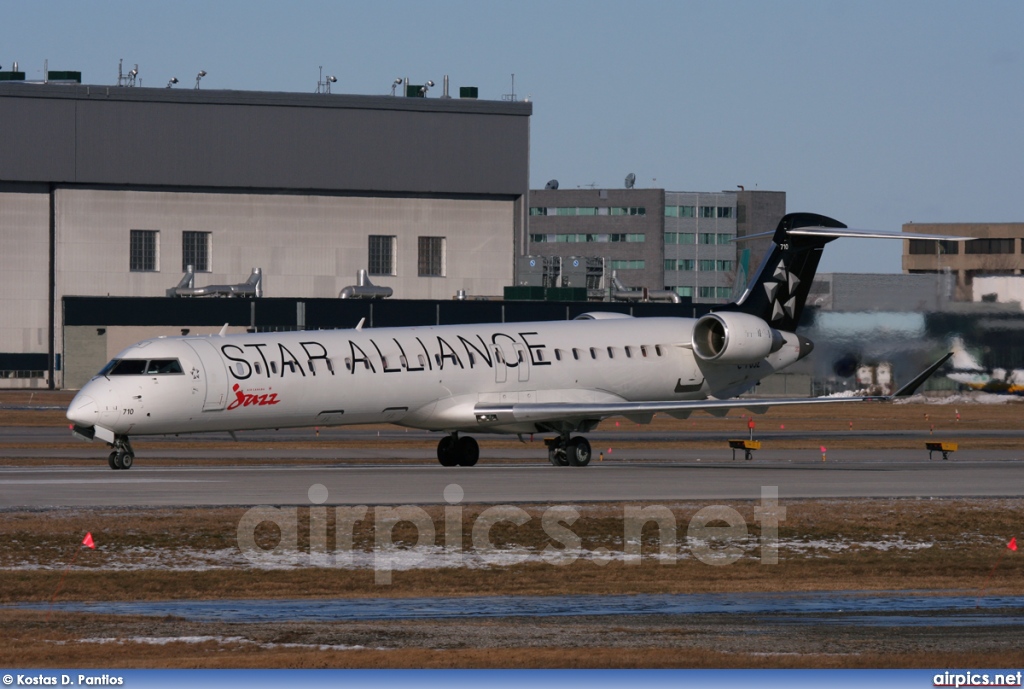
(122,456)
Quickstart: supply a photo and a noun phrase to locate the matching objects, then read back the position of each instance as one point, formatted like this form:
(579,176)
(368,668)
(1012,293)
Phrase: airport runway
(264,484)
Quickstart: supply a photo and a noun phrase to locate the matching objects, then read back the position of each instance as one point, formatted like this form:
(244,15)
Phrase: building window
(927,247)
(706,265)
(431,257)
(723,266)
(679,264)
(381,255)
(195,251)
(538,211)
(707,237)
(633,210)
(680,238)
(671,211)
(687,211)
(538,238)
(144,251)
(724,211)
(682,291)
(990,246)
(707,211)
(724,238)
(628,265)
(715,292)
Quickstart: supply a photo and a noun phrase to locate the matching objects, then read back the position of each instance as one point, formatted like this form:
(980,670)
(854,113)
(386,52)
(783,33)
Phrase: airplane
(969,372)
(559,377)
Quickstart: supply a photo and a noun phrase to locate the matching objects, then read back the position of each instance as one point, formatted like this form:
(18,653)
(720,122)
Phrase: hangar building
(113,191)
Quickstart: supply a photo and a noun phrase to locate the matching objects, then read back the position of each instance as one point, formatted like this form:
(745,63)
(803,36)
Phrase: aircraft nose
(83,410)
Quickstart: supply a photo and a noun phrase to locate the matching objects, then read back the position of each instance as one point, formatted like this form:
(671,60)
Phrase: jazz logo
(243,399)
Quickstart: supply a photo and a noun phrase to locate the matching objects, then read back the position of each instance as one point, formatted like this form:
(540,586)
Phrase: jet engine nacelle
(734,338)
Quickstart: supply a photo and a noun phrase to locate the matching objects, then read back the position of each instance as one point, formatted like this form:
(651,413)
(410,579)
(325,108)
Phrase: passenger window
(611,353)
(330,366)
(593,353)
(558,354)
(575,354)
(437,360)
(309,364)
(519,356)
(540,355)
(472,359)
(348,363)
(657,349)
(629,352)
(384,360)
(643,350)
(403,361)
(259,371)
(239,371)
(273,367)
(423,361)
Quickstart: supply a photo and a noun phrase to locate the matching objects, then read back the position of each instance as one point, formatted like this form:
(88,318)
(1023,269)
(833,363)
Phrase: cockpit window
(163,366)
(140,367)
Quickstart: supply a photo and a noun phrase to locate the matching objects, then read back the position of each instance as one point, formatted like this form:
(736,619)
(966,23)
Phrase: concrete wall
(307,246)
(24,270)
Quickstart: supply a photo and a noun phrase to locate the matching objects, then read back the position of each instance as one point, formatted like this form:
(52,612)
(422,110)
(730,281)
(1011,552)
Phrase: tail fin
(779,288)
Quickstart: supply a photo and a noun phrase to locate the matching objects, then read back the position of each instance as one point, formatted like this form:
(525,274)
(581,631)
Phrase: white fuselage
(421,377)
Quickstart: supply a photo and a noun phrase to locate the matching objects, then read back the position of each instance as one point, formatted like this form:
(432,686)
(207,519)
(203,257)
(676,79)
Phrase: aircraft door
(214,374)
(500,368)
(523,358)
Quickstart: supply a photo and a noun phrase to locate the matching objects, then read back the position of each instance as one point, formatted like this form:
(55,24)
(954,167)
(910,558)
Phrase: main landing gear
(123,455)
(566,451)
(456,451)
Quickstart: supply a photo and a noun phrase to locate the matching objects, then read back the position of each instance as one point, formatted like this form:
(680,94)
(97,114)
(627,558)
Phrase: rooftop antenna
(202,73)
(129,78)
(511,96)
(324,85)
(395,84)
(630,180)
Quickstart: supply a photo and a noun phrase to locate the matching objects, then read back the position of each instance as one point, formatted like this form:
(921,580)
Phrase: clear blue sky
(876,113)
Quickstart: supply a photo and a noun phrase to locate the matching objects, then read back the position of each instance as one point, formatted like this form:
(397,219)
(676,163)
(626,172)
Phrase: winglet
(223,331)
(911,387)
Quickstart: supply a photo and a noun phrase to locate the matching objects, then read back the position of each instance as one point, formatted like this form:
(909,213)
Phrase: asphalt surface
(380,469)
(98,486)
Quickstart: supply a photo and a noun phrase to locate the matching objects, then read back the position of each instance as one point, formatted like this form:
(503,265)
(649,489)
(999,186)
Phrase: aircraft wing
(497,414)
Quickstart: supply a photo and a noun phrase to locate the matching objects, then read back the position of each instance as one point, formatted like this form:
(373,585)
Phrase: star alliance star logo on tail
(786,285)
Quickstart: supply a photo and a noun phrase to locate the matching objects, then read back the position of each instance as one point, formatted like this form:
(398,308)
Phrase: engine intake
(734,338)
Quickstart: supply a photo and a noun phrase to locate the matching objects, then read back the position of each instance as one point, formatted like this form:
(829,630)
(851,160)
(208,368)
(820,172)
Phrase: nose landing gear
(123,455)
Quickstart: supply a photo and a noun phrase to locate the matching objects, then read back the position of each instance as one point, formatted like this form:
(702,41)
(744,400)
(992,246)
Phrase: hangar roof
(146,137)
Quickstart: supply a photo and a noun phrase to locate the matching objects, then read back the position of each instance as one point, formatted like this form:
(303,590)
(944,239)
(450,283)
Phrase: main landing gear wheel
(446,452)
(455,451)
(556,456)
(112,460)
(578,452)
(467,450)
(566,451)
